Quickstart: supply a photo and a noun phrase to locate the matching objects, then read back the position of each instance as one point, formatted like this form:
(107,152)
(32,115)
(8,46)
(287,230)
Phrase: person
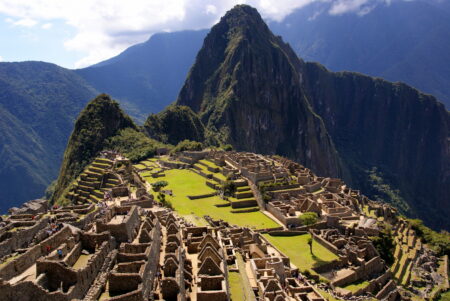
(60,253)
(48,248)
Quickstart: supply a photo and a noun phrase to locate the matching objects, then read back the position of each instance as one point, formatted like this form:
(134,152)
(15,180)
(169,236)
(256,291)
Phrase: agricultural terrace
(184,183)
(297,249)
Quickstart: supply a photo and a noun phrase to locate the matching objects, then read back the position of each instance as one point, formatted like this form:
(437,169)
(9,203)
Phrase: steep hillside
(175,124)
(100,120)
(38,104)
(246,89)
(405,41)
(405,134)
(147,77)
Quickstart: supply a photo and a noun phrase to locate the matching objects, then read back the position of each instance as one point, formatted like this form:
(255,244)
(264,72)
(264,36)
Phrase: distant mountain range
(407,41)
(38,105)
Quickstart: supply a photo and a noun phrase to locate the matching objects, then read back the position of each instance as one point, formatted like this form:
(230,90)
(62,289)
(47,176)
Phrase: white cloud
(25,22)
(360,7)
(104,28)
(1,59)
(47,26)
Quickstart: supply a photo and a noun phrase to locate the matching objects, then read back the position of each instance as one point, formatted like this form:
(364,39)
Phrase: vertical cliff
(402,132)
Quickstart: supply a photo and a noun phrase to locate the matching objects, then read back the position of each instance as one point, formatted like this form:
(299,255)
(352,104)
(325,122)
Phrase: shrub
(227,147)
(384,243)
(135,145)
(308,218)
(187,145)
(228,188)
(439,242)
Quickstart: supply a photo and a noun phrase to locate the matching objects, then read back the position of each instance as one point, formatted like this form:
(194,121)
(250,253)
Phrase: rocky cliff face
(101,119)
(403,133)
(246,89)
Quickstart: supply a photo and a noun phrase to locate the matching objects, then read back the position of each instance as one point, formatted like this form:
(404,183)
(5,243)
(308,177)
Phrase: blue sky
(76,34)
(41,42)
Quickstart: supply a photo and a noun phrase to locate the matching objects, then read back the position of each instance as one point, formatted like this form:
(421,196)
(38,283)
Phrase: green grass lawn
(184,182)
(355,286)
(237,292)
(445,296)
(209,163)
(297,249)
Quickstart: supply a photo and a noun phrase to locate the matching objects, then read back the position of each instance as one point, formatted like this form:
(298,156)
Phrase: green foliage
(158,185)
(439,242)
(38,105)
(50,190)
(163,201)
(227,147)
(228,188)
(175,124)
(310,242)
(134,144)
(383,192)
(444,296)
(187,145)
(384,243)
(308,218)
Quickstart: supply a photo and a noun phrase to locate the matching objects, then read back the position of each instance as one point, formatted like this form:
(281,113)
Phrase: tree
(158,185)
(310,242)
(308,218)
(228,187)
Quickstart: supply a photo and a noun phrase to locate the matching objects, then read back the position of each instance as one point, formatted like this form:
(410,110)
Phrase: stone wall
(23,262)
(124,231)
(21,238)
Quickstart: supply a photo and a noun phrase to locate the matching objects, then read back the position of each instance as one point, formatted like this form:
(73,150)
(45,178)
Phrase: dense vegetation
(308,218)
(135,145)
(187,145)
(439,242)
(100,120)
(38,104)
(380,191)
(384,243)
(175,124)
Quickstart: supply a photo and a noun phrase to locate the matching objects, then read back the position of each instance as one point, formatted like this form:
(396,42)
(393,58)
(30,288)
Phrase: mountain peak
(243,16)
(245,86)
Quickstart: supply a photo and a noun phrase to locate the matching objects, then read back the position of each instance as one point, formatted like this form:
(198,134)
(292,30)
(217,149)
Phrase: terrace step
(103,160)
(244,195)
(244,203)
(102,166)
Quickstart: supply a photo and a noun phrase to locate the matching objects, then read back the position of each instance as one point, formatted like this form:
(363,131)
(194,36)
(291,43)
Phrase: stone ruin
(113,242)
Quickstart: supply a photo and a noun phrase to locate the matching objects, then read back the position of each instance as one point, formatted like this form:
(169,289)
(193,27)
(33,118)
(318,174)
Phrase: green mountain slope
(147,77)
(175,124)
(100,120)
(38,104)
